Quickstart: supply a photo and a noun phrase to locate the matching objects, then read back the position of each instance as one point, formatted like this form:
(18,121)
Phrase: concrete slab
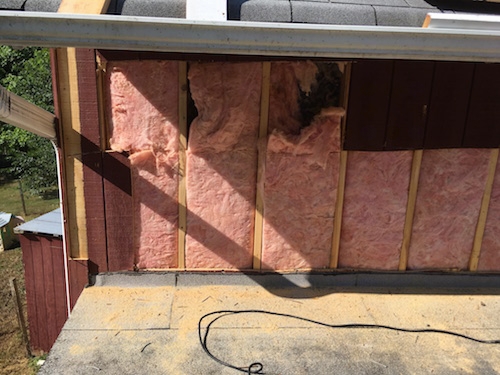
(153,330)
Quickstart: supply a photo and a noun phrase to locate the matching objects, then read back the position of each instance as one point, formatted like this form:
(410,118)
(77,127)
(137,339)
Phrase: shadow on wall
(219,242)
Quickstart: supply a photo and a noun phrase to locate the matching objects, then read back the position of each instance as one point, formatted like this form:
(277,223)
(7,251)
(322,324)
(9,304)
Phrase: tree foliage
(26,72)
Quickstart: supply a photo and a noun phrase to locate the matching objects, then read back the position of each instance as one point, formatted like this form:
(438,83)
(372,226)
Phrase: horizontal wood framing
(401,105)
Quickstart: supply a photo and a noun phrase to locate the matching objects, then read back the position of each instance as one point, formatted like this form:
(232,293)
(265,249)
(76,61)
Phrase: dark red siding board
(61,309)
(411,88)
(369,96)
(29,278)
(95,215)
(92,160)
(482,128)
(447,111)
(78,279)
(119,218)
(41,303)
(50,295)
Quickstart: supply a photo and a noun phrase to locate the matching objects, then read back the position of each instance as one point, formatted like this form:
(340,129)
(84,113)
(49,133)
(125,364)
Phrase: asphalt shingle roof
(337,12)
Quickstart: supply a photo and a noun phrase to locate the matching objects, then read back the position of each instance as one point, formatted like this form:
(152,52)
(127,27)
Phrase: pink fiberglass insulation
(489,259)
(375,200)
(301,178)
(450,191)
(155,209)
(143,105)
(143,116)
(222,164)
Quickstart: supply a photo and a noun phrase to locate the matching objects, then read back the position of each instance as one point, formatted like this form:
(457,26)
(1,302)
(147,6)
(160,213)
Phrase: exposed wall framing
(259,201)
(183,133)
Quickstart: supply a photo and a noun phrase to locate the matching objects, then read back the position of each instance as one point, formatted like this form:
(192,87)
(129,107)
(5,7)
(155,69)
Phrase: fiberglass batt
(222,164)
(489,259)
(143,118)
(375,200)
(301,174)
(450,190)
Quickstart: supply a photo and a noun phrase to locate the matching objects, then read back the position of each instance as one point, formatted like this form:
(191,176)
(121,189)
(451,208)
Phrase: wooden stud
(410,209)
(182,164)
(101,78)
(20,315)
(339,208)
(70,130)
(74,204)
(483,213)
(84,7)
(259,201)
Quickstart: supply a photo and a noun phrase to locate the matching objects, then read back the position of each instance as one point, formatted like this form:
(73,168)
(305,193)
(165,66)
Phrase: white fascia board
(247,38)
(463,21)
(207,10)
(17,111)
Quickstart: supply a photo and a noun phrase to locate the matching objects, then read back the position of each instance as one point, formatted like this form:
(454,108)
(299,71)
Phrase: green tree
(26,72)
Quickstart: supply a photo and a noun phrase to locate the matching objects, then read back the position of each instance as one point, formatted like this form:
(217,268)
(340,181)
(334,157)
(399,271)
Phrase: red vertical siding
(92,160)
(119,210)
(45,288)
(78,279)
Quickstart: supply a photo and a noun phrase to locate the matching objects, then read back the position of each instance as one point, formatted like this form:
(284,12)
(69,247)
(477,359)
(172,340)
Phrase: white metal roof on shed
(50,224)
(4,218)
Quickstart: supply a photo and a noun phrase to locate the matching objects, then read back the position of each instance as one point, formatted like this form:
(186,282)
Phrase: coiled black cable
(258,368)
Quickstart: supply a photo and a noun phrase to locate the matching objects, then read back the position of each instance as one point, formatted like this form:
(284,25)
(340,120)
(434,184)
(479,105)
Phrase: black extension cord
(258,368)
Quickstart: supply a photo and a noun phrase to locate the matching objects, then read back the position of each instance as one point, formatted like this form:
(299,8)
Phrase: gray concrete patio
(148,324)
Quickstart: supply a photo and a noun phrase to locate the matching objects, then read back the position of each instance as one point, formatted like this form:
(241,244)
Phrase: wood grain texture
(369,97)
(91,160)
(483,213)
(259,201)
(119,211)
(410,93)
(482,128)
(410,209)
(78,279)
(339,208)
(84,7)
(69,130)
(447,111)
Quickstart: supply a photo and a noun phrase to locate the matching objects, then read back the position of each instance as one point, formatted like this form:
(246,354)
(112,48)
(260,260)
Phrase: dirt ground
(13,360)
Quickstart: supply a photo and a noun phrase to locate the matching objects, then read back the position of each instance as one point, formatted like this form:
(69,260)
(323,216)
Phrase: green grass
(10,201)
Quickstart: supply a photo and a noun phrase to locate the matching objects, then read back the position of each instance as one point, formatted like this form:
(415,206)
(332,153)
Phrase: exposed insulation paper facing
(375,202)
(489,259)
(222,164)
(143,120)
(450,190)
(301,175)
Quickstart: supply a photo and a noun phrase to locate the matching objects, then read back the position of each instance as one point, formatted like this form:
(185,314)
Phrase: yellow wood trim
(410,209)
(483,213)
(101,99)
(259,200)
(70,126)
(182,164)
(339,208)
(84,7)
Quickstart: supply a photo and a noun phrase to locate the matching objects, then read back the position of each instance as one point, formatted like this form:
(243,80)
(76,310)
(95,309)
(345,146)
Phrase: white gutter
(247,38)
(65,250)
(19,112)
